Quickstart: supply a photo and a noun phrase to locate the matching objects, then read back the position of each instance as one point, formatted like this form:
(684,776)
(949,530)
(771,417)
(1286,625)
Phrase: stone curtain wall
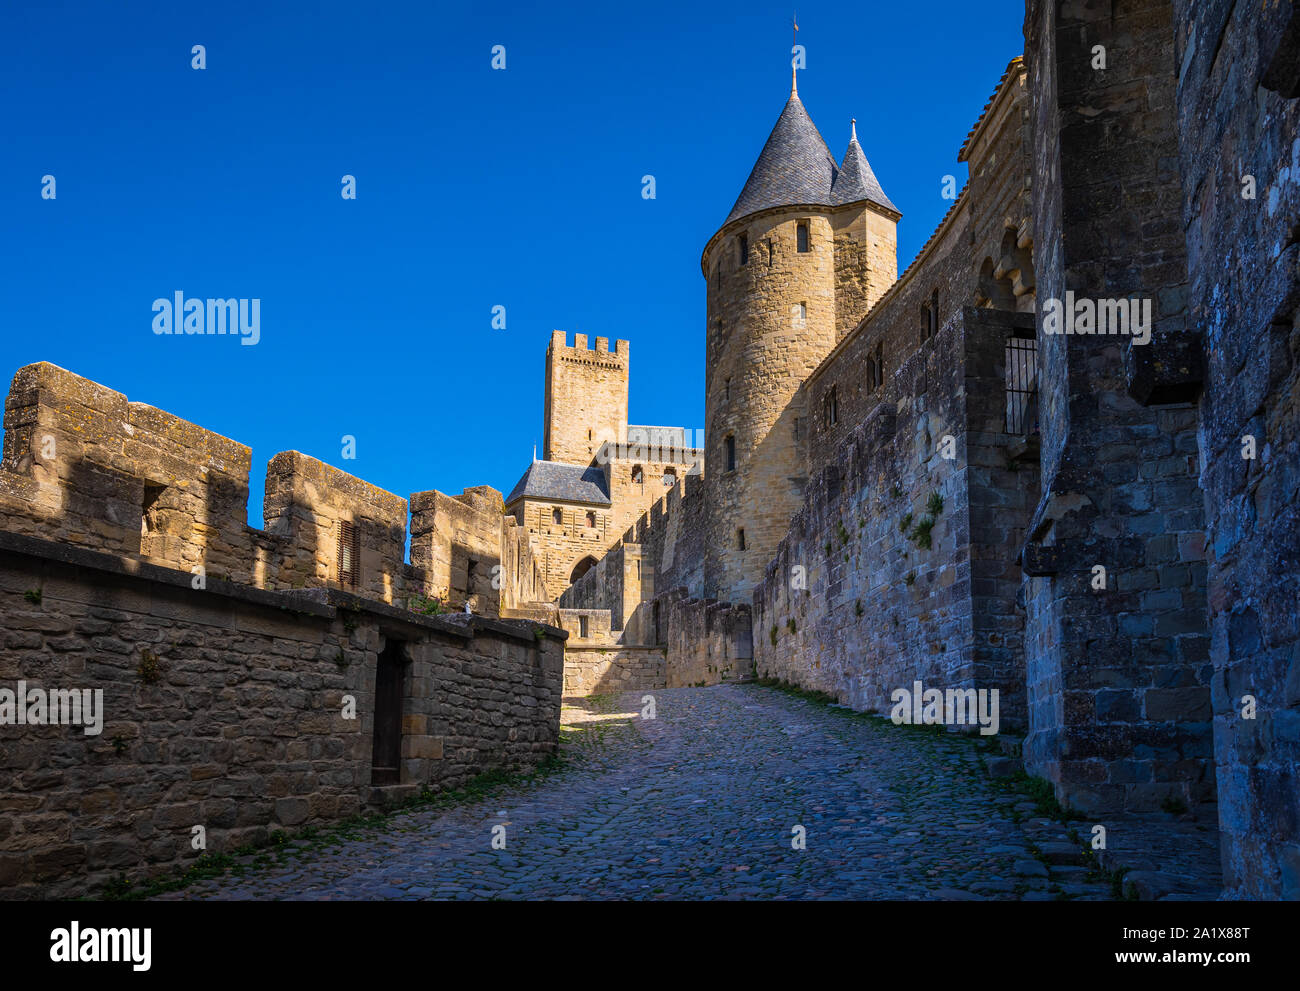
(1237,117)
(854,604)
(84,466)
(223,708)
(1119,691)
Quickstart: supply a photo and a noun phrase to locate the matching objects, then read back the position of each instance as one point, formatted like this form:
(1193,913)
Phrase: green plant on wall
(431,606)
(920,534)
(151,667)
(772,636)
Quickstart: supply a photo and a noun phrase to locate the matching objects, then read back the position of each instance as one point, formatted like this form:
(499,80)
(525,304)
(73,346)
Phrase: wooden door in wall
(387,751)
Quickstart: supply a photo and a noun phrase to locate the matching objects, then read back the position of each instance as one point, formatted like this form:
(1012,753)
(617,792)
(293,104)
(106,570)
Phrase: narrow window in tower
(831,413)
(740,538)
(638,476)
(582,627)
(769,252)
(731,452)
(591,520)
(797,423)
(557,517)
(726,390)
(744,249)
(801,235)
(803,314)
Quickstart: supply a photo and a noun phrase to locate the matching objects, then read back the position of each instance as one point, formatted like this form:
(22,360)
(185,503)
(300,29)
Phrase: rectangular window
(744,249)
(832,408)
(582,627)
(801,235)
(803,313)
(731,453)
(726,389)
(1021,384)
(740,538)
(349,554)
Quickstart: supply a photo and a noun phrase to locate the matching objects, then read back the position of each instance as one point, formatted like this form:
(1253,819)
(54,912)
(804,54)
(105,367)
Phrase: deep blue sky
(475,188)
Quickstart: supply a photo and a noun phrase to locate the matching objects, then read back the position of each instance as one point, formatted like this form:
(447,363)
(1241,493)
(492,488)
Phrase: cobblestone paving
(699,803)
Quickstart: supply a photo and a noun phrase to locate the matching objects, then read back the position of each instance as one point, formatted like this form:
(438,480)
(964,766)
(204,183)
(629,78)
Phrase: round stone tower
(808,247)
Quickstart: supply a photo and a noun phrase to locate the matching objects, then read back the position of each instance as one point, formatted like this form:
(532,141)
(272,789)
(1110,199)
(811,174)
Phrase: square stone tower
(586,398)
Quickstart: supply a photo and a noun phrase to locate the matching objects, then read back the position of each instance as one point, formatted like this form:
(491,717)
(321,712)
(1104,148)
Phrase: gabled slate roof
(567,483)
(796,167)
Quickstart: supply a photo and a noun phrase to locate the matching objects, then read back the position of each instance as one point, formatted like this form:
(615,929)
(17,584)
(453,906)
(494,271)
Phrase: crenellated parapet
(83,465)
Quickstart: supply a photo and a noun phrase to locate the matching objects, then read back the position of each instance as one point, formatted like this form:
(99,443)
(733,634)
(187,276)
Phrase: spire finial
(534,453)
(794,56)
(853,127)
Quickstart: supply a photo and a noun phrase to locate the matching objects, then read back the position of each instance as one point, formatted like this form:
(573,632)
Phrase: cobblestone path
(700,803)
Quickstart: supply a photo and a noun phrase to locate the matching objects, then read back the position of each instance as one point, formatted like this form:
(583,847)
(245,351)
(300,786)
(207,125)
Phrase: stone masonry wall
(1119,694)
(855,603)
(597,670)
(1238,117)
(224,708)
(464,549)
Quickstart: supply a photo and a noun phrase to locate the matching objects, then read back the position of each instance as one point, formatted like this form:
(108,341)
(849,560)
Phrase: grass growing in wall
(905,522)
(920,534)
(773,636)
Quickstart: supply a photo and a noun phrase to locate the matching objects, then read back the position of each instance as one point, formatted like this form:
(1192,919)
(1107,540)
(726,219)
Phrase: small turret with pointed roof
(855,181)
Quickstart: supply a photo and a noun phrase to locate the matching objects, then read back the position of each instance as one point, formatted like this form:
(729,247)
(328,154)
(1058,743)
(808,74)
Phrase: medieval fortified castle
(902,478)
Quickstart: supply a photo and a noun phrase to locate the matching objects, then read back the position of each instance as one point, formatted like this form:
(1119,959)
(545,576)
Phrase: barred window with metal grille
(1022,385)
(349,554)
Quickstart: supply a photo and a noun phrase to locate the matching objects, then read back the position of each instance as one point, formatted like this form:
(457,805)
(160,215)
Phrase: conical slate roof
(855,181)
(796,167)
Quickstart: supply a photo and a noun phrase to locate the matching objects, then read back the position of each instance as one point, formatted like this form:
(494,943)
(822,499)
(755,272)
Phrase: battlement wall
(85,466)
(581,351)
